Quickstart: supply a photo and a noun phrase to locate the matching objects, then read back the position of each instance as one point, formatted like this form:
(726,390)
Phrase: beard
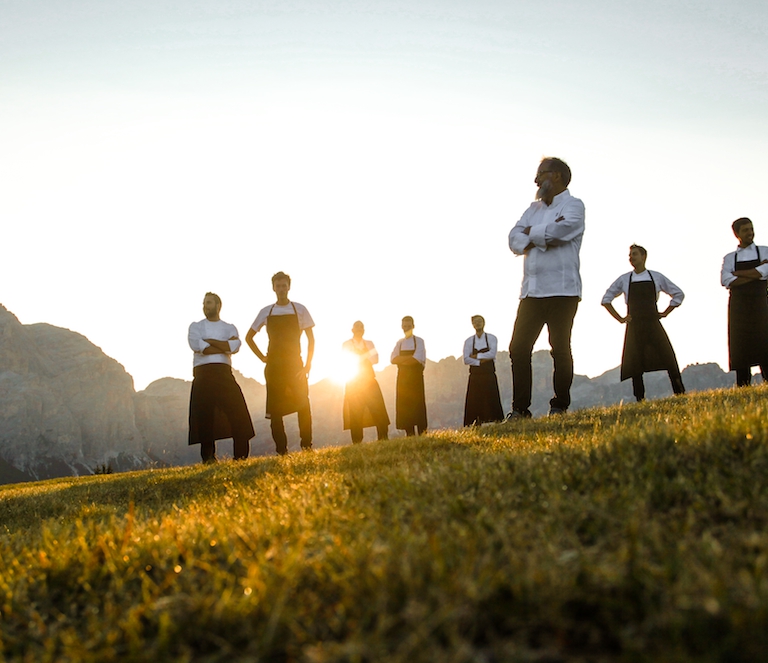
(544,191)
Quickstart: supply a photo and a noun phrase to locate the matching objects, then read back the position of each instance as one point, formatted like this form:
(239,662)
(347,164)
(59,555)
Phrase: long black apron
(748,321)
(646,344)
(287,388)
(217,408)
(410,400)
(363,403)
(482,402)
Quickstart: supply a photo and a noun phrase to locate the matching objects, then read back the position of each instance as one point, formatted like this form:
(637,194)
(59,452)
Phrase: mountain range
(68,409)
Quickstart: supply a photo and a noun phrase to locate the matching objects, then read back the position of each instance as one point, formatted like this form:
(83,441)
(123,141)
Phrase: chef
(483,402)
(363,402)
(744,273)
(646,344)
(285,373)
(410,356)
(217,409)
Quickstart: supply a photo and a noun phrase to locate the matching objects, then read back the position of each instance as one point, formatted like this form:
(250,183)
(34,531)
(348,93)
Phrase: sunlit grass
(634,533)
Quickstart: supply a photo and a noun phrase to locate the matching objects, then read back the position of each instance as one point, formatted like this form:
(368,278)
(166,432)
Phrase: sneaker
(517,415)
(554,411)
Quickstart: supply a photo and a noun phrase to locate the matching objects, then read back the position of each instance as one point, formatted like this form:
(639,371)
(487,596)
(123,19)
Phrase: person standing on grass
(363,402)
(483,403)
(217,409)
(410,356)
(549,236)
(285,373)
(744,273)
(646,344)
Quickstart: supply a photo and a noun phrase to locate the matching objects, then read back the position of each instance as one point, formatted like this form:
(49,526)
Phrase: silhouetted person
(549,236)
(483,402)
(744,273)
(363,402)
(217,409)
(410,356)
(285,373)
(646,344)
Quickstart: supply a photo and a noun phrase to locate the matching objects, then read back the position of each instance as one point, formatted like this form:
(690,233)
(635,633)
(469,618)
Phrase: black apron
(363,402)
(646,344)
(287,388)
(217,408)
(748,320)
(410,401)
(482,402)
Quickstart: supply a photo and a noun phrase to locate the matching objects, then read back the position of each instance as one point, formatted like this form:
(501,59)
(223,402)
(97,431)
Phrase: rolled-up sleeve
(493,344)
(617,288)
(469,360)
(671,289)
(726,272)
(195,338)
(421,351)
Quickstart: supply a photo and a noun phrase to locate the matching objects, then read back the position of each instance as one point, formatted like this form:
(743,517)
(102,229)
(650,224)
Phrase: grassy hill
(620,534)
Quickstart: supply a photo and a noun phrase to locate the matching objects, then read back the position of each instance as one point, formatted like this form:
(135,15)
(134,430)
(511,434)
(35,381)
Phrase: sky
(378,152)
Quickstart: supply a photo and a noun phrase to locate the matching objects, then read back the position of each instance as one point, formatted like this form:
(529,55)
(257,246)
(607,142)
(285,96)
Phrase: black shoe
(517,415)
(554,411)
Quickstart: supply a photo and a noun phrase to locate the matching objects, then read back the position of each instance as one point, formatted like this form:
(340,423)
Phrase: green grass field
(635,533)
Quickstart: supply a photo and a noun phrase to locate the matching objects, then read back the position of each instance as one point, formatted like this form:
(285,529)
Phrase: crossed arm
(567,226)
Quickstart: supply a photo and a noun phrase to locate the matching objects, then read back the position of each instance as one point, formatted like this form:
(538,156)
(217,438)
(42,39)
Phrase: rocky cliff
(65,407)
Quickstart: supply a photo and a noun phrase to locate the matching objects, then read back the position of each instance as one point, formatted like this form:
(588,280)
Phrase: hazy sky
(379,152)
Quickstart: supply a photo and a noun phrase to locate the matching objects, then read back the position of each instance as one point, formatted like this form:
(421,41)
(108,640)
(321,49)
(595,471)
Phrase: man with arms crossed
(285,374)
(217,409)
(548,235)
(744,273)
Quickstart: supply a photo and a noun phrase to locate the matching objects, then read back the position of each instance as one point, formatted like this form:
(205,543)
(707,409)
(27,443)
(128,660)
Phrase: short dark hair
(736,225)
(478,316)
(639,248)
(215,296)
(559,166)
(281,276)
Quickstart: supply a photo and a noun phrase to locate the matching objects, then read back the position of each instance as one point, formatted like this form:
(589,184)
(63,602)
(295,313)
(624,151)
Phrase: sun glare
(346,368)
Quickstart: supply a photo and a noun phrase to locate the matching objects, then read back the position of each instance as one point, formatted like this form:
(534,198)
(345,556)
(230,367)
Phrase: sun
(345,369)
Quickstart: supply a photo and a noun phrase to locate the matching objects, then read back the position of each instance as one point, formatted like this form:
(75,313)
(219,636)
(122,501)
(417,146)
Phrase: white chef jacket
(485,340)
(748,253)
(218,331)
(551,267)
(661,282)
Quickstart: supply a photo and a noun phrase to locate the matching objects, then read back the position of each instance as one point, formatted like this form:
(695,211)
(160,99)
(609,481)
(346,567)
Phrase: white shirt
(485,340)
(749,253)
(661,282)
(551,267)
(414,342)
(305,319)
(218,331)
(352,346)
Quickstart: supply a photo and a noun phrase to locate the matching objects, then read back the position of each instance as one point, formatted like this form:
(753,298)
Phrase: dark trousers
(208,449)
(305,430)
(744,375)
(557,313)
(357,433)
(638,386)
